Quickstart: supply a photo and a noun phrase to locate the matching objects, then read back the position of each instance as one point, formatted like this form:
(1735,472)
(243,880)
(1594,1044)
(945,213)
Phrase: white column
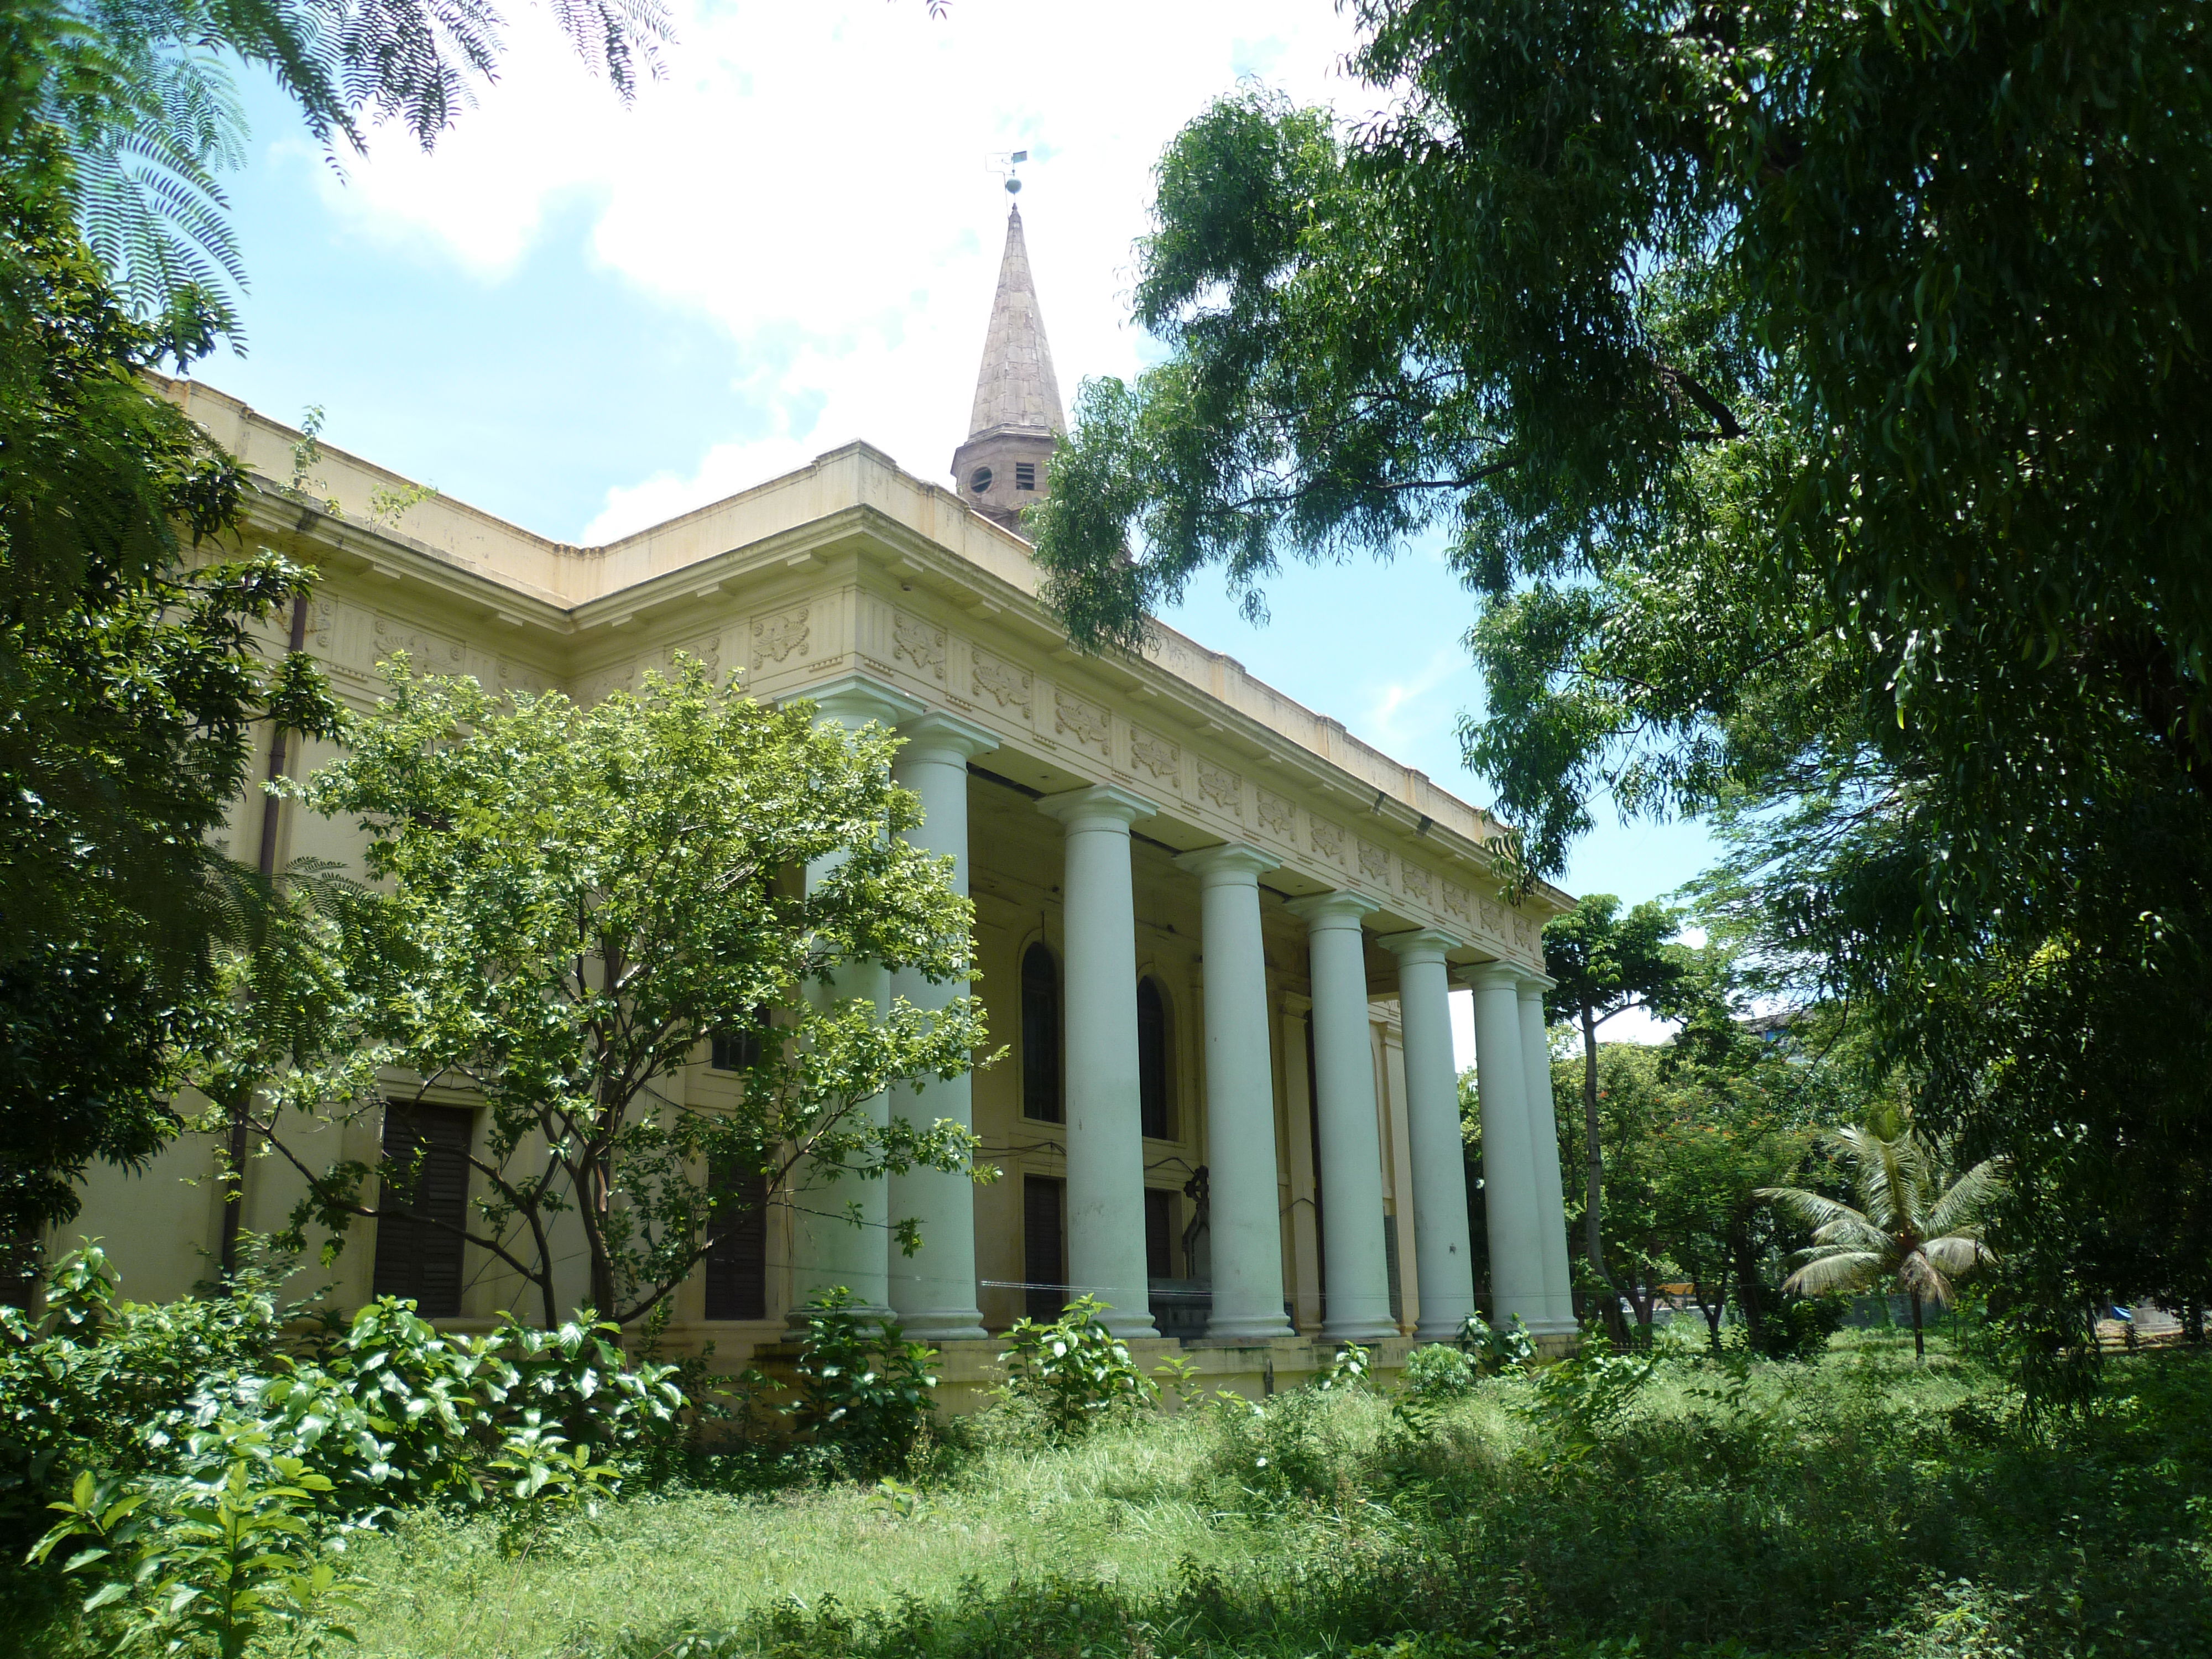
(1246,1226)
(1509,1178)
(827,1248)
(1544,1152)
(934,1290)
(1442,1259)
(1105,1116)
(1356,1276)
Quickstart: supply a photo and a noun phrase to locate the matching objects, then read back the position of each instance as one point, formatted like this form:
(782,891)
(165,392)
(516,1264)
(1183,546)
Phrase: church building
(1217,934)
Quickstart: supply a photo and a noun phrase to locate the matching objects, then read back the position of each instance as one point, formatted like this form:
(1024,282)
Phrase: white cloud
(812,177)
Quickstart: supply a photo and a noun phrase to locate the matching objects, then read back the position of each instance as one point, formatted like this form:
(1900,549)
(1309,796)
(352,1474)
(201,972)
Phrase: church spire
(1016,417)
(1015,388)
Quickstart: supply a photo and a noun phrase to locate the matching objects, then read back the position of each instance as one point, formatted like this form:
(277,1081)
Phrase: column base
(1131,1330)
(868,1313)
(1552,1326)
(1247,1330)
(1365,1331)
(1429,1330)
(946,1325)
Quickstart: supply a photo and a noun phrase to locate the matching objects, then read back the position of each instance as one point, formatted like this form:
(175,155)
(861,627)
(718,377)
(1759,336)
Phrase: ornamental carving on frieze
(1454,897)
(1156,755)
(1084,721)
(1415,881)
(919,643)
(1275,814)
(1224,789)
(1493,915)
(1325,839)
(1374,862)
(777,636)
(1002,682)
(707,649)
(424,651)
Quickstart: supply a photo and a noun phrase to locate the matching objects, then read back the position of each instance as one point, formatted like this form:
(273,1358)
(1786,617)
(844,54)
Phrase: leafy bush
(1800,1328)
(1272,1456)
(218,1558)
(1438,1371)
(863,1390)
(1498,1348)
(383,1411)
(1581,1401)
(1074,1373)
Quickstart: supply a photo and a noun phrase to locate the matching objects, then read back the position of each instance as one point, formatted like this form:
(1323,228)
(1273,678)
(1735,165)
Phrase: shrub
(863,1390)
(1074,1373)
(1271,1456)
(1439,1372)
(1497,1348)
(1800,1328)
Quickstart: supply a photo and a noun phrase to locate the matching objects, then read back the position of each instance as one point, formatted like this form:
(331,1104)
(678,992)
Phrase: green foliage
(1918,1226)
(386,1413)
(224,1557)
(1439,1370)
(1718,343)
(572,903)
(1351,1368)
(1579,1402)
(863,1390)
(1497,1348)
(1074,1373)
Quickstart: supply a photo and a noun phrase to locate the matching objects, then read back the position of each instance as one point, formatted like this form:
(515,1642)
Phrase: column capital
(937,735)
(1230,864)
(1534,984)
(1495,975)
(1421,945)
(1100,806)
(857,699)
(1339,909)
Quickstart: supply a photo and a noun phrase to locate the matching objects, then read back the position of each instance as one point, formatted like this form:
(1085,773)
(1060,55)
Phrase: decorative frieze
(426,652)
(1415,880)
(1005,684)
(1162,759)
(707,648)
(1374,863)
(1325,839)
(1086,722)
(1454,898)
(1275,814)
(918,643)
(778,635)
(1224,789)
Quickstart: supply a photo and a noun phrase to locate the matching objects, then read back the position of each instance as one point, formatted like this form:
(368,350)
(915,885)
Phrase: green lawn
(1861,1506)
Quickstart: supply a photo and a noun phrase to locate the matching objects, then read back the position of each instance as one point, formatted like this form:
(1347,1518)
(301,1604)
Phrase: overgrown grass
(1864,1506)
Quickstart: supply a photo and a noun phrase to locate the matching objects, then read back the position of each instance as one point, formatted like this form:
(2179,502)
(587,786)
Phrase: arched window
(1155,1076)
(1040,1034)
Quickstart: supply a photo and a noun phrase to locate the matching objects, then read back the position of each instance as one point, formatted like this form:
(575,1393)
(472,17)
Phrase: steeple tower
(1017,419)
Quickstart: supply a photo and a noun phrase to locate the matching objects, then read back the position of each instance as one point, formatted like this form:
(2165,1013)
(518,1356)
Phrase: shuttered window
(1159,1233)
(1044,1246)
(1041,1036)
(426,1182)
(1155,1094)
(737,1264)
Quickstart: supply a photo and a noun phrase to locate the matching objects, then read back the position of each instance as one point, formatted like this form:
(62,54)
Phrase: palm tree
(1911,1230)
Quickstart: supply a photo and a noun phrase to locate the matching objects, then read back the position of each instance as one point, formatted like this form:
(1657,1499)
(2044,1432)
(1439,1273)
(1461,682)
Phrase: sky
(586,316)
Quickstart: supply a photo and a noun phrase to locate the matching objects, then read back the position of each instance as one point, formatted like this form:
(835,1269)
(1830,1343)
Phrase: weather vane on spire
(1003,162)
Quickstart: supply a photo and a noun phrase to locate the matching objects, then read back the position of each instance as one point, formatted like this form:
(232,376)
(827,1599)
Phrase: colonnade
(933,1294)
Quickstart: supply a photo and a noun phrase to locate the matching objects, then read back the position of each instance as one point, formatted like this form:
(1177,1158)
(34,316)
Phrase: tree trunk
(2192,1320)
(1919,1344)
(1748,1291)
(238,1141)
(1594,1187)
(1713,1310)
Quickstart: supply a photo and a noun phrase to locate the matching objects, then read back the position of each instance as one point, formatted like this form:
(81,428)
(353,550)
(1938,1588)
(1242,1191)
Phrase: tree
(572,900)
(1717,342)
(133,673)
(136,656)
(1603,963)
(1915,1227)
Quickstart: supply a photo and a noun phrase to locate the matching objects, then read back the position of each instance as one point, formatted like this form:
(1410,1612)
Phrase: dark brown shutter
(737,1264)
(1039,1036)
(425,1179)
(1159,1234)
(1152,1057)
(1044,1251)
